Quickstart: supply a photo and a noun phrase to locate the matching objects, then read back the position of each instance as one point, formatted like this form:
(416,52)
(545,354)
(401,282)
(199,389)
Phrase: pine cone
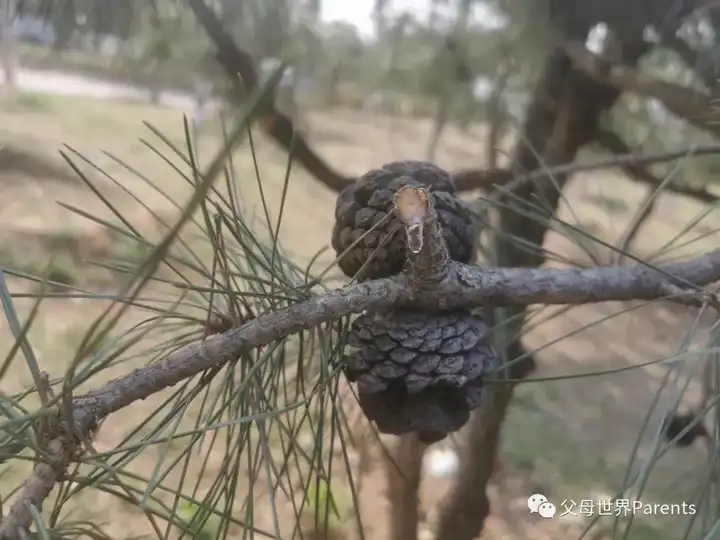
(363,204)
(419,372)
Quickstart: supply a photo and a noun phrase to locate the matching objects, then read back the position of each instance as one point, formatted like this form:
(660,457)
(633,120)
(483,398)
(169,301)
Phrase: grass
(569,439)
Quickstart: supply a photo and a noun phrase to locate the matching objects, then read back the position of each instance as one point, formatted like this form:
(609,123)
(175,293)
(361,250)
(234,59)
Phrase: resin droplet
(415,237)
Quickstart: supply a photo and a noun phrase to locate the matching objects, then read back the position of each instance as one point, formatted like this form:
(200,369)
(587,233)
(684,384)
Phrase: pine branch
(450,285)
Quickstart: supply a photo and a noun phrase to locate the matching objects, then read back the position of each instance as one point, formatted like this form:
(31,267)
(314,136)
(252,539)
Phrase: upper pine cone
(363,204)
(419,372)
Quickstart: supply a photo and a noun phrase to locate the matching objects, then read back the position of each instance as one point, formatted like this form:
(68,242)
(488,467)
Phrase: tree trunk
(404,474)
(439,123)
(65,26)
(563,116)
(333,82)
(496,117)
(7,43)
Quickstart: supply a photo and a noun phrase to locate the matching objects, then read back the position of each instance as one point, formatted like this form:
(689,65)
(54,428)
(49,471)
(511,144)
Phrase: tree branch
(238,63)
(487,179)
(427,255)
(277,125)
(693,106)
(404,475)
(461,286)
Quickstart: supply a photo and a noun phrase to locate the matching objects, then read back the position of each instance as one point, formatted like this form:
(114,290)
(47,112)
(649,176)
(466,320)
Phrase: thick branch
(691,105)
(277,125)
(404,474)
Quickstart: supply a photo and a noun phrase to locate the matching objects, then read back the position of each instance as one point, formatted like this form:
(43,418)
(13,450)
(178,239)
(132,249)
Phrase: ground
(569,438)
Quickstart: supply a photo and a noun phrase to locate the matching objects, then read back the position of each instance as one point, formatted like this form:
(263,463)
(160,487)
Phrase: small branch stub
(427,255)
(412,205)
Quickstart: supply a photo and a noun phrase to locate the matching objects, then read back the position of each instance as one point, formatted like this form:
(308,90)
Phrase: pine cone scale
(427,385)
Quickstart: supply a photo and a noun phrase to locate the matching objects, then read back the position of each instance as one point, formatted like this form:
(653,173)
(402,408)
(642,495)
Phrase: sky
(359,12)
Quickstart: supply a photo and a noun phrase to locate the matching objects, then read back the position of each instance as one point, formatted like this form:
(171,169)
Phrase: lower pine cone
(420,372)
(432,413)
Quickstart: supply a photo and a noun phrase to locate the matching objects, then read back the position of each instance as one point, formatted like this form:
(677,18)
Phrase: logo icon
(547,510)
(538,504)
(534,502)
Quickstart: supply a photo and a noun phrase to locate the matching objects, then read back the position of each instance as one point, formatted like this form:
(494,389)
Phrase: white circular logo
(534,502)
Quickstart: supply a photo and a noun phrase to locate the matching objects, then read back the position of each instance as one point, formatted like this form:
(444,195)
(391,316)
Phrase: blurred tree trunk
(397,36)
(452,57)
(379,16)
(404,474)
(65,25)
(562,117)
(7,40)
(308,65)
(272,23)
(496,113)
(439,122)
(333,82)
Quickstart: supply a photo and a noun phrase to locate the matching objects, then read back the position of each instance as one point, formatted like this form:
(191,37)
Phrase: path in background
(57,82)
